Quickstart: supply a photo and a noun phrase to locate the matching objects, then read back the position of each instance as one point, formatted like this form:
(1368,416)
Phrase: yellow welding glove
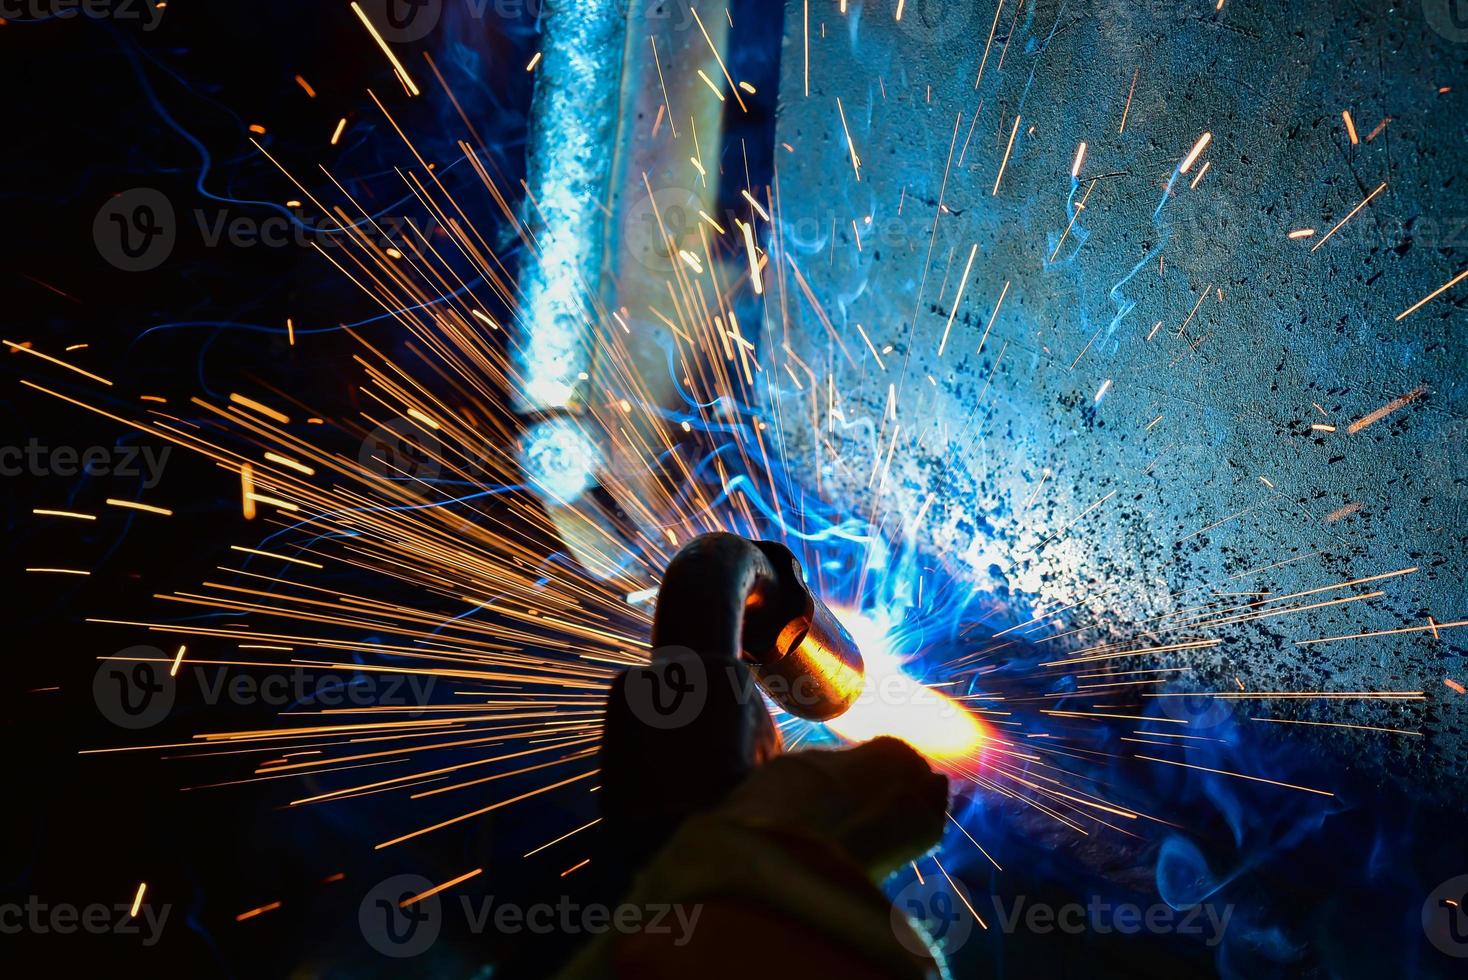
(781,879)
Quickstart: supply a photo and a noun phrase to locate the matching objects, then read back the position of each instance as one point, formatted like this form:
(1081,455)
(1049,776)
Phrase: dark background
(99,106)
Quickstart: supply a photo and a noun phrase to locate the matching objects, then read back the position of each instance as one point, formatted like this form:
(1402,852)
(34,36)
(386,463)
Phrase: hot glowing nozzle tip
(894,703)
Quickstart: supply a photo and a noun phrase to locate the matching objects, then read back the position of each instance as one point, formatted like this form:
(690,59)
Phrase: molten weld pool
(894,703)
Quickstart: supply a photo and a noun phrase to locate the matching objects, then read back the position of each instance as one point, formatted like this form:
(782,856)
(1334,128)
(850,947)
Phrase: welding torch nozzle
(724,594)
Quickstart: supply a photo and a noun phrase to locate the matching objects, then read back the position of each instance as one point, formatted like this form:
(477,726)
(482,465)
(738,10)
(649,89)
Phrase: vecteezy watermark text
(136,230)
(1206,920)
(946,912)
(38,459)
(397,922)
(406,21)
(147,12)
(674,688)
(138,687)
(63,919)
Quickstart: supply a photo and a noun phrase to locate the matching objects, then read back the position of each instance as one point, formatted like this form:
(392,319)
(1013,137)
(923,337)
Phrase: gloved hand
(782,877)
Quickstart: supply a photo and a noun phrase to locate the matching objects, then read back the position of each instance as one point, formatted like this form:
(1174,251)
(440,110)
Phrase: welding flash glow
(559,460)
(894,703)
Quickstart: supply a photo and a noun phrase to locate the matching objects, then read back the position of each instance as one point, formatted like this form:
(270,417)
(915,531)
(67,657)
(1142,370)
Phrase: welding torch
(734,619)
(781,853)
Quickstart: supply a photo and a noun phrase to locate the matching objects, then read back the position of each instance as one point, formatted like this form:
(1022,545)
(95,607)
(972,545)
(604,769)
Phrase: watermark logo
(1449,18)
(1198,711)
(136,230)
(1445,917)
(670,692)
(1446,461)
(941,911)
(406,21)
(1136,24)
(812,233)
(393,923)
(1198,222)
(135,689)
(935,22)
(663,225)
(400,450)
(1437,231)
(403,21)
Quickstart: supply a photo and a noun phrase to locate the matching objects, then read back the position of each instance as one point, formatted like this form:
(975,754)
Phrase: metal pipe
(608,71)
(573,128)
